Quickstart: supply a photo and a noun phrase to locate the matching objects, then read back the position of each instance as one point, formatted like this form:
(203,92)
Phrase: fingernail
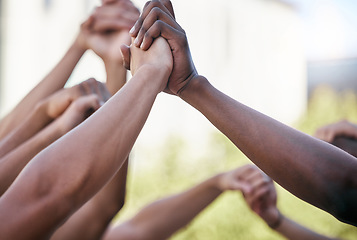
(136,41)
(132,29)
(141,45)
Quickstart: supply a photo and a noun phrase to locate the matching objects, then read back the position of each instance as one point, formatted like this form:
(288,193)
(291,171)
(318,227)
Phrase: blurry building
(249,49)
(339,74)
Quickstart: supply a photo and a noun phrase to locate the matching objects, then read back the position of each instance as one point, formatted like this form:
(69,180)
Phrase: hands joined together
(257,188)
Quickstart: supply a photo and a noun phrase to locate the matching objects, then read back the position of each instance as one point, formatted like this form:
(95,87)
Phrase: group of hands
(106,33)
(154,42)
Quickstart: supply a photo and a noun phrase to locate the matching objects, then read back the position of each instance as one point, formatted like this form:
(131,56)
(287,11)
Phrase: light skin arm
(262,200)
(12,163)
(54,81)
(162,218)
(66,174)
(47,110)
(293,159)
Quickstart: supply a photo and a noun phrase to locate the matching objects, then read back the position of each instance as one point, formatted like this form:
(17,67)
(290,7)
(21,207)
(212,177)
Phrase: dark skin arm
(65,110)
(60,179)
(108,31)
(262,200)
(313,170)
(164,217)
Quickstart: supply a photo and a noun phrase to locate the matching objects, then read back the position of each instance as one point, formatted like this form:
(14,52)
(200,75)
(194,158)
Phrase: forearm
(294,231)
(92,220)
(36,121)
(162,218)
(291,158)
(66,174)
(54,81)
(12,163)
(116,75)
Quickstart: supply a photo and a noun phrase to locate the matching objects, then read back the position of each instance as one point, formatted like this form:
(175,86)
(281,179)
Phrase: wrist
(275,220)
(41,110)
(154,75)
(79,46)
(194,85)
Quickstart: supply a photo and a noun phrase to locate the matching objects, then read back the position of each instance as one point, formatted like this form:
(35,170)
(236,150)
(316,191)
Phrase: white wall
(250,49)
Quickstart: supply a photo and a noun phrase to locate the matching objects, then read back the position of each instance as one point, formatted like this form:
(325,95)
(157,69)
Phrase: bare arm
(15,160)
(109,31)
(313,170)
(67,173)
(162,218)
(54,81)
(262,200)
(93,219)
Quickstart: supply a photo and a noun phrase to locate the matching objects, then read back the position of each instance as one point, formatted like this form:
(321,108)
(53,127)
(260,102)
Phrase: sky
(330,28)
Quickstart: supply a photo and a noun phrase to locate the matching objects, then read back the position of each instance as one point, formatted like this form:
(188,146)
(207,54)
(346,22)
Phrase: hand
(343,128)
(79,110)
(158,59)
(107,28)
(262,195)
(158,19)
(234,180)
(57,103)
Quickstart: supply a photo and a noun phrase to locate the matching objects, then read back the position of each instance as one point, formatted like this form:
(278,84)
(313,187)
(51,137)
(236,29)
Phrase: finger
(244,172)
(88,86)
(104,93)
(110,24)
(87,105)
(104,2)
(125,53)
(117,17)
(88,23)
(256,176)
(155,15)
(174,37)
(168,5)
(260,195)
(147,9)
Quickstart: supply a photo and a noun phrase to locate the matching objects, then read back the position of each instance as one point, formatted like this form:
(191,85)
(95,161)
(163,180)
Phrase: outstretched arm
(54,81)
(67,173)
(64,109)
(92,220)
(313,170)
(162,218)
(262,200)
(109,31)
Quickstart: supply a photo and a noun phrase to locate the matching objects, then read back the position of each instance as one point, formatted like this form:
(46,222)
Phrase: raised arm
(55,80)
(54,117)
(313,170)
(93,218)
(110,29)
(67,173)
(262,200)
(162,218)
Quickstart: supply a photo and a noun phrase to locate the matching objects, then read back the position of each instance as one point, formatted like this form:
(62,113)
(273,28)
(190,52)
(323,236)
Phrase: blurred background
(294,60)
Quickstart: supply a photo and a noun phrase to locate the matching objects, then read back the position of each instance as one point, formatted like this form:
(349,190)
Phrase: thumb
(244,187)
(125,52)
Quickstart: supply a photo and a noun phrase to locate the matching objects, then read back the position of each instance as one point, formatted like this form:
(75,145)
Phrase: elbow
(344,201)
(345,208)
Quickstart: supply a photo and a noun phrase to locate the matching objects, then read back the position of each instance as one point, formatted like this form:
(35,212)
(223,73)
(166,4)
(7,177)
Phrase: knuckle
(156,10)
